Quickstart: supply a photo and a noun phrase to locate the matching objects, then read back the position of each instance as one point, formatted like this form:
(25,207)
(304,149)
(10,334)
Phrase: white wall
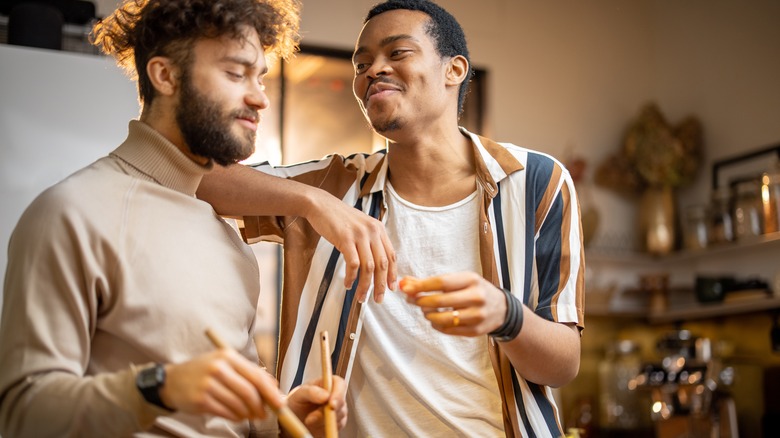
(58,112)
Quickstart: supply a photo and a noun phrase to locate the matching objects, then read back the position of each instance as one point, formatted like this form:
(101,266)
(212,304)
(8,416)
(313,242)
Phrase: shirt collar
(493,162)
(150,153)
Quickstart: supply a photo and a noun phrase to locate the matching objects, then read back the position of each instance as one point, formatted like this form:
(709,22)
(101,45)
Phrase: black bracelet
(514,319)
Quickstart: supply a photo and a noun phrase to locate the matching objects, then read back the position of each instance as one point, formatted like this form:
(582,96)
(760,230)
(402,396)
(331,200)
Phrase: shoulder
(83,197)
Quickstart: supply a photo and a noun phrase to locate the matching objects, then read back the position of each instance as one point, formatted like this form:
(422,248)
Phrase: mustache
(246,114)
(383,80)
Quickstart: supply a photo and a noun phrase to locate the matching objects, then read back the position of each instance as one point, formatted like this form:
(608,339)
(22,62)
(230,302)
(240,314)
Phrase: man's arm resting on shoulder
(238,190)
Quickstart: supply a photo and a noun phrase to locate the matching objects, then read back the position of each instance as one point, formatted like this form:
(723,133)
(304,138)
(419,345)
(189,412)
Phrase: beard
(386,126)
(207,128)
(393,123)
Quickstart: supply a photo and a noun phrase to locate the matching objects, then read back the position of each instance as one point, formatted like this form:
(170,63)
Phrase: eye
(234,75)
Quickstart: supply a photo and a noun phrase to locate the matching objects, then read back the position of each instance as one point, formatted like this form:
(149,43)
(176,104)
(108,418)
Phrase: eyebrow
(384,42)
(242,61)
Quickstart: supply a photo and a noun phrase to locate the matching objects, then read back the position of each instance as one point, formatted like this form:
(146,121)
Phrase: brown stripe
(509,404)
(547,198)
(501,365)
(347,344)
(371,180)
(580,275)
(505,159)
(565,262)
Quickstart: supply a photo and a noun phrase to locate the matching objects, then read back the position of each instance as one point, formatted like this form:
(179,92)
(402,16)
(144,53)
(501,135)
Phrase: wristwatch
(149,381)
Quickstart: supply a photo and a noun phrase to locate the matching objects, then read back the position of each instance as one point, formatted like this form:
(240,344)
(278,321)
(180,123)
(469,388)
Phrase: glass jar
(620,406)
(721,223)
(748,210)
(696,231)
(770,200)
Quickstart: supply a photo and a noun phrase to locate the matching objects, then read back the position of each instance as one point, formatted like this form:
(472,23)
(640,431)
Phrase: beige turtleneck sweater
(117,266)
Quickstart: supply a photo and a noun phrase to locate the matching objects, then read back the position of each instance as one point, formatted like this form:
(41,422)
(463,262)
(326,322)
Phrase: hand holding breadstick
(288,421)
(462,303)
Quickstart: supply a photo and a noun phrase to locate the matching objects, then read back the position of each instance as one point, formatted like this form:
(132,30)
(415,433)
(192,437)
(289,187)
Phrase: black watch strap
(149,382)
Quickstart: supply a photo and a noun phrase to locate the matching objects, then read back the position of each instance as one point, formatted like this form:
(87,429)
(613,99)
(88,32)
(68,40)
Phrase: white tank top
(409,379)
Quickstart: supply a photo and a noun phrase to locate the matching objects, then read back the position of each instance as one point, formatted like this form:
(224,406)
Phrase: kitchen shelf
(689,309)
(689,312)
(714,310)
(623,256)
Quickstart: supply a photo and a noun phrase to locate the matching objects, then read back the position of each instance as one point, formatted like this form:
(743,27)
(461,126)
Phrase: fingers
(222,383)
(308,399)
(338,400)
(439,283)
(370,258)
(391,273)
(463,304)
(263,384)
(412,286)
(366,269)
(238,393)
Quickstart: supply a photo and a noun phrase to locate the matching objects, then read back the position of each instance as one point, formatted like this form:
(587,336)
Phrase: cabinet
(754,257)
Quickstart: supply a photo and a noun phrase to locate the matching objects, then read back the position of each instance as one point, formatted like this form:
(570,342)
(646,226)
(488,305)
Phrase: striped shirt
(530,243)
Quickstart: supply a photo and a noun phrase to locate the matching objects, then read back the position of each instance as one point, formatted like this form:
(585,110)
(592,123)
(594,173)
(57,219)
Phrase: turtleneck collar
(154,156)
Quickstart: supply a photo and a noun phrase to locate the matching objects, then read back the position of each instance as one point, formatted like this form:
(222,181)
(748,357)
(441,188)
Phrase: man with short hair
(116,273)
(487,234)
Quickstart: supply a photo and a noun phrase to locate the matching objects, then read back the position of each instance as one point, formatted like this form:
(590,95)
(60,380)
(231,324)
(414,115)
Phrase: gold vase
(657,220)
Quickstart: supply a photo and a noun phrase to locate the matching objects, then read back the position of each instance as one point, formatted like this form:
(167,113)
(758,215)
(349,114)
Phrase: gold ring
(455,318)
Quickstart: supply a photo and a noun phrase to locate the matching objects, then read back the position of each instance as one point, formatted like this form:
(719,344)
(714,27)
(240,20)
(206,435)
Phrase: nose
(378,68)
(256,97)
(361,82)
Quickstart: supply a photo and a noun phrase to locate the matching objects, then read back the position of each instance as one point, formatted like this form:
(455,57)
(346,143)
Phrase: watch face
(151,377)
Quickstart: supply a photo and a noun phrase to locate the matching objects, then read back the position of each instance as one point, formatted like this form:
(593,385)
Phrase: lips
(379,86)
(249,120)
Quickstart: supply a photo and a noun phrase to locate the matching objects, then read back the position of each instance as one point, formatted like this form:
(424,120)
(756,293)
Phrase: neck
(161,116)
(434,168)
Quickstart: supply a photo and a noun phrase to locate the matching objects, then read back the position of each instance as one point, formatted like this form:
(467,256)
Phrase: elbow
(567,375)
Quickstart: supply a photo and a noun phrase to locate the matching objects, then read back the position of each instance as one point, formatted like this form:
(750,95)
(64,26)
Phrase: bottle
(619,402)
(696,231)
(748,214)
(770,200)
(721,223)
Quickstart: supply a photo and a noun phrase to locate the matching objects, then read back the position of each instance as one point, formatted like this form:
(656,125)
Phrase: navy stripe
(347,306)
(376,202)
(315,317)
(548,258)
(506,283)
(545,408)
(539,170)
(521,406)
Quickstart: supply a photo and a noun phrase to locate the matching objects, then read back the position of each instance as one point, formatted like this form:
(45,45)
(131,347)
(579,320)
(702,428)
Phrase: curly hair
(443,28)
(142,29)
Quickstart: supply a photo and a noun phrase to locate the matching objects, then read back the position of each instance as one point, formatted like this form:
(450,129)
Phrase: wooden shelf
(689,309)
(689,312)
(714,310)
(609,255)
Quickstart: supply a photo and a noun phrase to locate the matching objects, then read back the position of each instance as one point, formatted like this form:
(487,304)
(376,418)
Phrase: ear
(163,74)
(457,70)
